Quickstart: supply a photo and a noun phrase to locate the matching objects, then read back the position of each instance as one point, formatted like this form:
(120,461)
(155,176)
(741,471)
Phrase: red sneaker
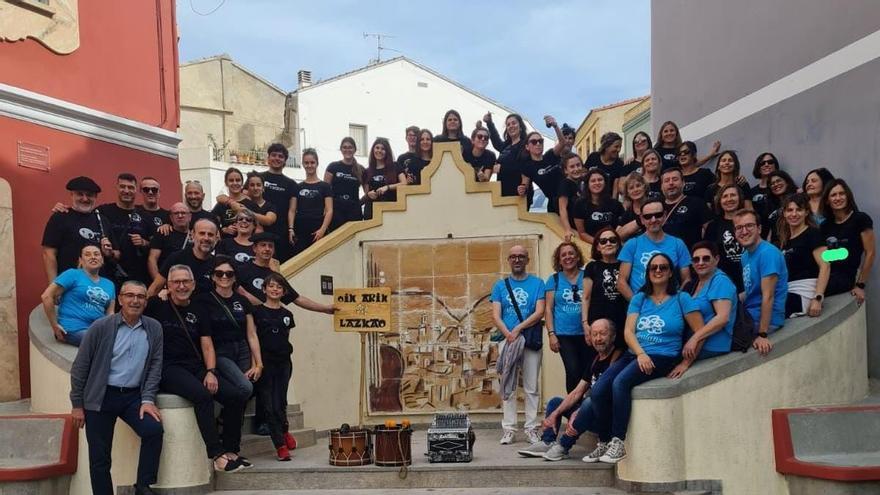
(289,440)
(283,453)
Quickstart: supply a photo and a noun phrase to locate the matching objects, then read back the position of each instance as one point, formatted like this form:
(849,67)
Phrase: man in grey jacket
(116,374)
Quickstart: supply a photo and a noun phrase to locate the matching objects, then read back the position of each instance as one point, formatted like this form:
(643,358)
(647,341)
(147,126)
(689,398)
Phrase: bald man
(162,245)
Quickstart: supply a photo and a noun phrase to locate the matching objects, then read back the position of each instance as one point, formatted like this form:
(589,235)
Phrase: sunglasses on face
(224,273)
(536,141)
(701,259)
(641,141)
(244,220)
(659,268)
(150,190)
(768,162)
(684,153)
(652,216)
(481,137)
(607,240)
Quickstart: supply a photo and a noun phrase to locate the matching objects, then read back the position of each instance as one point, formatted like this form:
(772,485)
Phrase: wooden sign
(362,310)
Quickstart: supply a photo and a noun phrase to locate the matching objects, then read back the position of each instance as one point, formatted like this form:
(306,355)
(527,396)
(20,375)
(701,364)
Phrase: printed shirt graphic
(659,328)
(84,300)
(765,260)
(566,310)
(719,287)
(527,293)
(639,250)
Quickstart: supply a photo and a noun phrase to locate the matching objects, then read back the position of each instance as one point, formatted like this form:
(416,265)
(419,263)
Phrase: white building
(381,100)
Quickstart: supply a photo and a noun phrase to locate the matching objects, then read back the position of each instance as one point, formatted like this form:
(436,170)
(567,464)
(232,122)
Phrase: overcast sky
(563,57)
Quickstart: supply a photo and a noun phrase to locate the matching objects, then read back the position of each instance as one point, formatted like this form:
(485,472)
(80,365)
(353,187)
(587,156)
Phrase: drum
(350,447)
(393,446)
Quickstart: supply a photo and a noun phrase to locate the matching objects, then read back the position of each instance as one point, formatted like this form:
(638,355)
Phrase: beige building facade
(608,118)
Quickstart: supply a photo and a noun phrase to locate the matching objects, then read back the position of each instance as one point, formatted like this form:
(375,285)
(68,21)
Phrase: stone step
(531,490)
(261,446)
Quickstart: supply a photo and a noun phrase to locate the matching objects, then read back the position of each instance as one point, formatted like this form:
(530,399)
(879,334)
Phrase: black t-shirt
(605,300)
(697,183)
(310,199)
(654,191)
(250,276)
(463,140)
(239,253)
(669,156)
(201,268)
(592,373)
(631,216)
(685,219)
(379,178)
(345,183)
(744,190)
(510,176)
(613,171)
(721,232)
(413,168)
(546,174)
(158,217)
(267,207)
(124,223)
(403,160)
(69,232)
(595,217)
(167,244)
(278,189)
(273,330)
(759,196)
(632,166)
(198,215)
(484,161)
(222,328)
(180,345)
(225,214)
(798,254)
(848,235)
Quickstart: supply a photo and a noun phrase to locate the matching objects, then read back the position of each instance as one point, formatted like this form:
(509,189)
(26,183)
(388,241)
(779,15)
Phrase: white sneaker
(507,438)
(616,452)
(535,450)
(556,453)
(533,437)
(598,452)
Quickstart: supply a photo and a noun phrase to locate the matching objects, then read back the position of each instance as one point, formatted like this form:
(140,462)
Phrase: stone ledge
(796,333)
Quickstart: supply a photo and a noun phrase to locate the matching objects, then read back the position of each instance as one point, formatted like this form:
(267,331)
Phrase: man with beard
(68,231)
(150,192)
(199,259)
(576,405)
(194,195)
(277,190)
(163,244)
(685,215)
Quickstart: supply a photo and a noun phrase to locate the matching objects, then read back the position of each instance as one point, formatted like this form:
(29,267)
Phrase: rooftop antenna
(379,46)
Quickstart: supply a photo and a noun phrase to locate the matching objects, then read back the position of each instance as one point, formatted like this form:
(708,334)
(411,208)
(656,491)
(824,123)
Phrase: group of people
(163,301)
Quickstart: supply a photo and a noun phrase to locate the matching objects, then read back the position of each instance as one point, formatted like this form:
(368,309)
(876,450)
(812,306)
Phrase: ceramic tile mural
(438,355)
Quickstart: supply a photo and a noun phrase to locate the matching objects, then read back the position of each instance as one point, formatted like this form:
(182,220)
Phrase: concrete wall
(9,379)
(796,78)
(722,431)
(387,99)
(327,366)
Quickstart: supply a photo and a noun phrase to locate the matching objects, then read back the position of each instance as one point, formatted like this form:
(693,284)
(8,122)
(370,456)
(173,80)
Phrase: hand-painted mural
(437,354)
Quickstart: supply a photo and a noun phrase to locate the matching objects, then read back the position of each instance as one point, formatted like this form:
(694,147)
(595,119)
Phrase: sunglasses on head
(653,216)
(224,273)
(607,240)
(150,190)
(701,259)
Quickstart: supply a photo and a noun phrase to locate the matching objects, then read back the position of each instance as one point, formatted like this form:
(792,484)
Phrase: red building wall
(127,66)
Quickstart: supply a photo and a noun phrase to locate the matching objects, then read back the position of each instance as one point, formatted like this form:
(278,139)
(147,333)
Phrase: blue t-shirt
(659,329)
(719,287)
(762,261)
(526,291)
(566,311)
(84,300)
(638,251)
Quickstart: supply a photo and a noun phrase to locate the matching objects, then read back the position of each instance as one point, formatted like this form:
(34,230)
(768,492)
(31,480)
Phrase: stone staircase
(253,445)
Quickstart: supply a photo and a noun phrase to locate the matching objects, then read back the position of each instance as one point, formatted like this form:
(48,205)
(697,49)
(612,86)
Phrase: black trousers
(303,229)
(124,404)
(188,383)
(345,211)
(577,356)
(272,395)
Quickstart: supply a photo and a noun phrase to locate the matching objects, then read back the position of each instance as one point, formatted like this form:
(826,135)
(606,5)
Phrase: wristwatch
(819,297)
(763,335)
(213,371)
(860,285)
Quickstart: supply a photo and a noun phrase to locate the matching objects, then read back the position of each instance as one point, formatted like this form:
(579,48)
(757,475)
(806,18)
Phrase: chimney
(304,79)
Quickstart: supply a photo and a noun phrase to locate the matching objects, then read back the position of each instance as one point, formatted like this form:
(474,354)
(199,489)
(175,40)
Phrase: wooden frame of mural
(437,355)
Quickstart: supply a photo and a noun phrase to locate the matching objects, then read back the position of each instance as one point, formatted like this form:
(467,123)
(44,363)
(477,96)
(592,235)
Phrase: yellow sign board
(362,310)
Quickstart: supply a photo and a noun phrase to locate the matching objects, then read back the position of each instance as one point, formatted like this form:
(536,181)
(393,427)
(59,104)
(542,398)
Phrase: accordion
(451,438)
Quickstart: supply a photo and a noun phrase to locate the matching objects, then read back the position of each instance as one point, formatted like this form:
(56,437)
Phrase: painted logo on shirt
(652,324)
(309,193)
(286,321)
(646,257)
(243,257)
(157,221)
(681,210)
(522,297)
(236,306)
(758,198)
(257,283)
(609,283)
(97,296)
(191,318)
(135,217)
(599,216)
(747,278)
(89,234)
(732,249)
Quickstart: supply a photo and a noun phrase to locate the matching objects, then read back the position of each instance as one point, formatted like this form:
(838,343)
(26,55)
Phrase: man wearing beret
(67,232)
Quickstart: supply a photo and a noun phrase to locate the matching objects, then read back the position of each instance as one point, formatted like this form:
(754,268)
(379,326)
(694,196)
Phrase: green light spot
(835,254)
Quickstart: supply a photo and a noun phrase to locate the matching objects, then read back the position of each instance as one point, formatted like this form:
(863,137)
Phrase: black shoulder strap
(556,281)
(226,310)
(513,299)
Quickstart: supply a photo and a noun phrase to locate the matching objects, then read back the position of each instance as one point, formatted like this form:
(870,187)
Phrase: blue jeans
(233,359)
(583,421)
(611,397)
(74,338)
(124,404)
(706,354)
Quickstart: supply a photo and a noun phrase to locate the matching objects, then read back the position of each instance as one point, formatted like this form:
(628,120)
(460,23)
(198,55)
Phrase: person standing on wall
(278,189)
(311,210)
(346,178)
(116,374)
(517,309)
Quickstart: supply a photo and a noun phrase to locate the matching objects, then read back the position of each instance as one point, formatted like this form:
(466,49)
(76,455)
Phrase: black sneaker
(245,461)
(232,465)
